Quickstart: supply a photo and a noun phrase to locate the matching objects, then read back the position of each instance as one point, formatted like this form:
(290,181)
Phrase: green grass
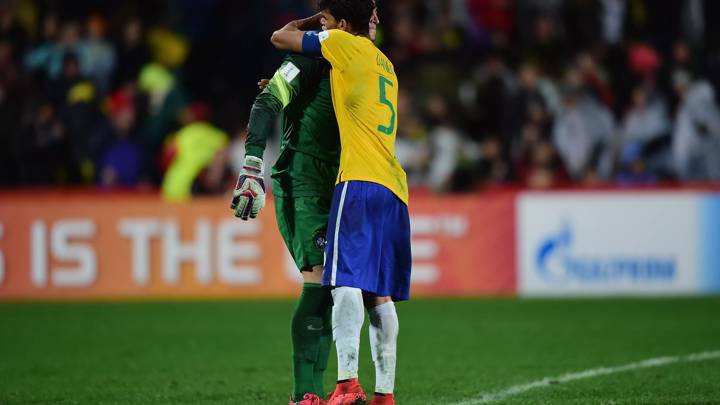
(449,350)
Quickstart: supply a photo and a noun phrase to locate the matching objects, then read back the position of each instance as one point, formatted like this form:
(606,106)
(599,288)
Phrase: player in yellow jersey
(368,251)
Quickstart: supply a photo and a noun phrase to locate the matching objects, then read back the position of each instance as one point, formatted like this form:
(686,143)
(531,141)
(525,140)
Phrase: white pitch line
(490,397)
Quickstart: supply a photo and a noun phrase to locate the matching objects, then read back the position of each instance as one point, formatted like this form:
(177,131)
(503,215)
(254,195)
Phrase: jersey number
(387,130)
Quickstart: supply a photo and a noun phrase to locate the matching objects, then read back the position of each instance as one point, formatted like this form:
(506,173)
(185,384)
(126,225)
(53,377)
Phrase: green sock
(307,331)
(326,340)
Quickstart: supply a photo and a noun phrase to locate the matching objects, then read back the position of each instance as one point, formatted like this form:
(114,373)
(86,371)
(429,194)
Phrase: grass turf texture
(449,350)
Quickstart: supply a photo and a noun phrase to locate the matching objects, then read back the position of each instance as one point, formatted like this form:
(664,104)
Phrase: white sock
(348,315)
(384,327)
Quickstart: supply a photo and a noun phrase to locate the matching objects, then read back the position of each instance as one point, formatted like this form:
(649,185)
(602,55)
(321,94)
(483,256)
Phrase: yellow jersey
(364,92)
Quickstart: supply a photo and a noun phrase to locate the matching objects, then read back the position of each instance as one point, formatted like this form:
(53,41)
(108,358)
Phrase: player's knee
(372,301)
(312,274)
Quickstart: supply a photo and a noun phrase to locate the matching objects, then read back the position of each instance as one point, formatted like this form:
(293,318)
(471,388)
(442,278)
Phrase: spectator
(489,95)
(534,102)
(98,54)
(613,20)
(647,118)
(529,10)
(696,136)
(644,61)
(48,57)
(77,103)
(46,150)
(12,32)
(133,53)
(198,146)
(494,19)
(594,79)
(493,165)
(541,168)
(411,146)
(681,61)
(168,48)
(122,163)
(546,46)
(583,133)
(70,75)
(446,146)
(165,99)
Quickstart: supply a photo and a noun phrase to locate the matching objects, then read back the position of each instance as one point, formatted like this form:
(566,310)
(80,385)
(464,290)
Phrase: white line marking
(490,397)
(337,234)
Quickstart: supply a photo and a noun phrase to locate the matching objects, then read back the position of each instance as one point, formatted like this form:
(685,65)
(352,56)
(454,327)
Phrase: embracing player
(303,181)
(368,249)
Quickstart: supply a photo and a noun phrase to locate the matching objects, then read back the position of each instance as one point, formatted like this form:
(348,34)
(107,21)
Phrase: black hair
(356,12)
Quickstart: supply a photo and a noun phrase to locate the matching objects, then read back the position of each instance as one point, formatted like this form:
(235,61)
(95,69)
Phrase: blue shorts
(368,241)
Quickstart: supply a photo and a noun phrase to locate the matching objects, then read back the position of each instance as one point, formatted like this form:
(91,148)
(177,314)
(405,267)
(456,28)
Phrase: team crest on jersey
(319,239)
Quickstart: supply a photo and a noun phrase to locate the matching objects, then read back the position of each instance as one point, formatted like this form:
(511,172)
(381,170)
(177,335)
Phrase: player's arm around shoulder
(291,36)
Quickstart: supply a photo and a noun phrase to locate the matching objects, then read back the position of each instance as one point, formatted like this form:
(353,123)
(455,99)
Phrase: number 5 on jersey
(390,128)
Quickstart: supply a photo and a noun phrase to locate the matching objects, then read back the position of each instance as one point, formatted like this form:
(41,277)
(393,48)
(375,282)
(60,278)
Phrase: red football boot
(309,399)
(383,399)
(348,393)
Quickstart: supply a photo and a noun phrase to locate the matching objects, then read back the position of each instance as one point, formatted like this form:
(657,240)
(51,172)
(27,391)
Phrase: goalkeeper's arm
(249,195)
(264,111)
(277,93)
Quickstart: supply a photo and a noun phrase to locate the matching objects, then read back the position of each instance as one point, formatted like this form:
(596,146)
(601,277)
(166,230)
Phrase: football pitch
(459,351)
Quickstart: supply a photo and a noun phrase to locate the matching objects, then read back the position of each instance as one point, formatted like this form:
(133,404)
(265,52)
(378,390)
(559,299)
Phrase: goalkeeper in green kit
(303,182)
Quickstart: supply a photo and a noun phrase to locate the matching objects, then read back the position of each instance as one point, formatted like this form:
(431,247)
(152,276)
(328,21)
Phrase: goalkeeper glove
(249,195)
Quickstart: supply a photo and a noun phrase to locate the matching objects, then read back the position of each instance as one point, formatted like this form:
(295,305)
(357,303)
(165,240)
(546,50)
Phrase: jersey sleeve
(311,43)
(285,84)
(337,47)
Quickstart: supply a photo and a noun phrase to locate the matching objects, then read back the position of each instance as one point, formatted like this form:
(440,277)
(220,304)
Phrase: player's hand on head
(263,83)
(249,194)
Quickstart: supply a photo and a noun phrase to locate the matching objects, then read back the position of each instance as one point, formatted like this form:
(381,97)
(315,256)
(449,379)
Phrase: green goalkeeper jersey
(310,145)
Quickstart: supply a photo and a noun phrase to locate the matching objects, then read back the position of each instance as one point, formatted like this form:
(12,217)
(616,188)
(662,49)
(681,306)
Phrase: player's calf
(384,327)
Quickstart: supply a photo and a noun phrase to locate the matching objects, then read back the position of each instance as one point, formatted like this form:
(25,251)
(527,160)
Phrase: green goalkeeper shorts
(303,224)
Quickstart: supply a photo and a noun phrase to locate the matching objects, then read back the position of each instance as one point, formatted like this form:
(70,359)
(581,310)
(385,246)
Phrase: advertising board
(58,246)
(594,243)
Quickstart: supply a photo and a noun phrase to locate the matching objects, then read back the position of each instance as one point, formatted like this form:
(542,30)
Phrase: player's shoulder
(295,64)
(334,35)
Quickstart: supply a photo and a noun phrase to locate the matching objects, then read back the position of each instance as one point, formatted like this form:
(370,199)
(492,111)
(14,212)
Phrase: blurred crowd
(529,93)
(550,93)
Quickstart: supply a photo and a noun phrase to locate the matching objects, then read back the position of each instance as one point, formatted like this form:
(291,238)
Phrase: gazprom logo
(557,262)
